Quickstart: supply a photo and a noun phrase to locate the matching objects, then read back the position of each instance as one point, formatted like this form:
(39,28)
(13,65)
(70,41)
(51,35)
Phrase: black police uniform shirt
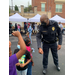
(49,33)
(23,60)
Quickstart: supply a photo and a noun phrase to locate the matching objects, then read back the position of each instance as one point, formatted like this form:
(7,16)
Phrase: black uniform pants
(46,52)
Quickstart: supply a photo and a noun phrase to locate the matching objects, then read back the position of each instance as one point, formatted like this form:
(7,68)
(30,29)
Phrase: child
(27,41)
(22,65)
(13,59)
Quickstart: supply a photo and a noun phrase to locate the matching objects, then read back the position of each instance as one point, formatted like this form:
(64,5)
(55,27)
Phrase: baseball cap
(29,24)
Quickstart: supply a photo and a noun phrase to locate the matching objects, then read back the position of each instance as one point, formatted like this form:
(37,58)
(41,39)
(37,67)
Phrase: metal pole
(12,4)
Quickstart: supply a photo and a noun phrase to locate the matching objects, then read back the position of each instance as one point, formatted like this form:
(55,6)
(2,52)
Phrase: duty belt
(49,42)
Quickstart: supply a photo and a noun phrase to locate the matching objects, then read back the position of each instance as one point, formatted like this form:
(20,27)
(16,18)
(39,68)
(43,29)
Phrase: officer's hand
(40,51)
(59,47)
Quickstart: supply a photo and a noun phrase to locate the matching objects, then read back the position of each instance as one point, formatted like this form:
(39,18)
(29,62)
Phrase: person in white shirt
(35,28)
(60,25)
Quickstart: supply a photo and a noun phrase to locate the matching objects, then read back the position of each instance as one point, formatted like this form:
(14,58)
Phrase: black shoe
(44,71)
(58,68)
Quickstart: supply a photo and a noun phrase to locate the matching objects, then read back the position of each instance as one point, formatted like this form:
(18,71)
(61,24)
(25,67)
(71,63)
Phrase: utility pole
(12,4)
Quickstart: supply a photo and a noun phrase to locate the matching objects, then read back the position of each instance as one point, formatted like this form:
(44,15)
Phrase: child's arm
(32,61)
(31,51)
(32,58)
(22,65)
(17,64)
(22,44)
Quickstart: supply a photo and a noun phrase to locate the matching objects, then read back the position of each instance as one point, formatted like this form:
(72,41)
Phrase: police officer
(48,30)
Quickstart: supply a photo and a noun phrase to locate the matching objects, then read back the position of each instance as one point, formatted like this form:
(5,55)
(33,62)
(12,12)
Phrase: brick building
(49,7)
(53,6)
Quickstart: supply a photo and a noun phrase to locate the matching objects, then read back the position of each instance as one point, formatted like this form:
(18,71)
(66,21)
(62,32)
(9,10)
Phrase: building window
(42,6)
(58,8)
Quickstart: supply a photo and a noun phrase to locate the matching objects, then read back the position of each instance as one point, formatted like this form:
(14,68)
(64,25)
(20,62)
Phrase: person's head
(10,52)
(39,23)
(59,22)
(19,25)
(25,23)
(44,20)
(28,24)
(27,41)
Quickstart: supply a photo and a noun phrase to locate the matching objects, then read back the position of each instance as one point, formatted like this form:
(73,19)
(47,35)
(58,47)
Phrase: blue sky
(20,2)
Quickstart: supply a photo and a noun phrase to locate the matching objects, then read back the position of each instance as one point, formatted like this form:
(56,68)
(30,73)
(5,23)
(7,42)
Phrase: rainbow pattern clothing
(22,59)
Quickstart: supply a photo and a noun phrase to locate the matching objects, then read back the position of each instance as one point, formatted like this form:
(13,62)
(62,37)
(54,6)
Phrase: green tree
(27,9)
(9,11)
(16,8)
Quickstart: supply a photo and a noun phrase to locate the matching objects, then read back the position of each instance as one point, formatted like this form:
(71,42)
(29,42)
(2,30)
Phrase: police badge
(53,28)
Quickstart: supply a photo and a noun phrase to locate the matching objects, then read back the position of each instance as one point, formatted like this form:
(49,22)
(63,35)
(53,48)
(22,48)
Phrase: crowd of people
(29,28)
(22,57)
(34,26)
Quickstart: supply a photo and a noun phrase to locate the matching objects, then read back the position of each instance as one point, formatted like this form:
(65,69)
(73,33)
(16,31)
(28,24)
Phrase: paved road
(37,69)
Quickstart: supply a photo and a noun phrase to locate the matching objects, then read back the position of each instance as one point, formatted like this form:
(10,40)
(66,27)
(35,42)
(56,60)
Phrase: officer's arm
(59,34)
(38,38)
